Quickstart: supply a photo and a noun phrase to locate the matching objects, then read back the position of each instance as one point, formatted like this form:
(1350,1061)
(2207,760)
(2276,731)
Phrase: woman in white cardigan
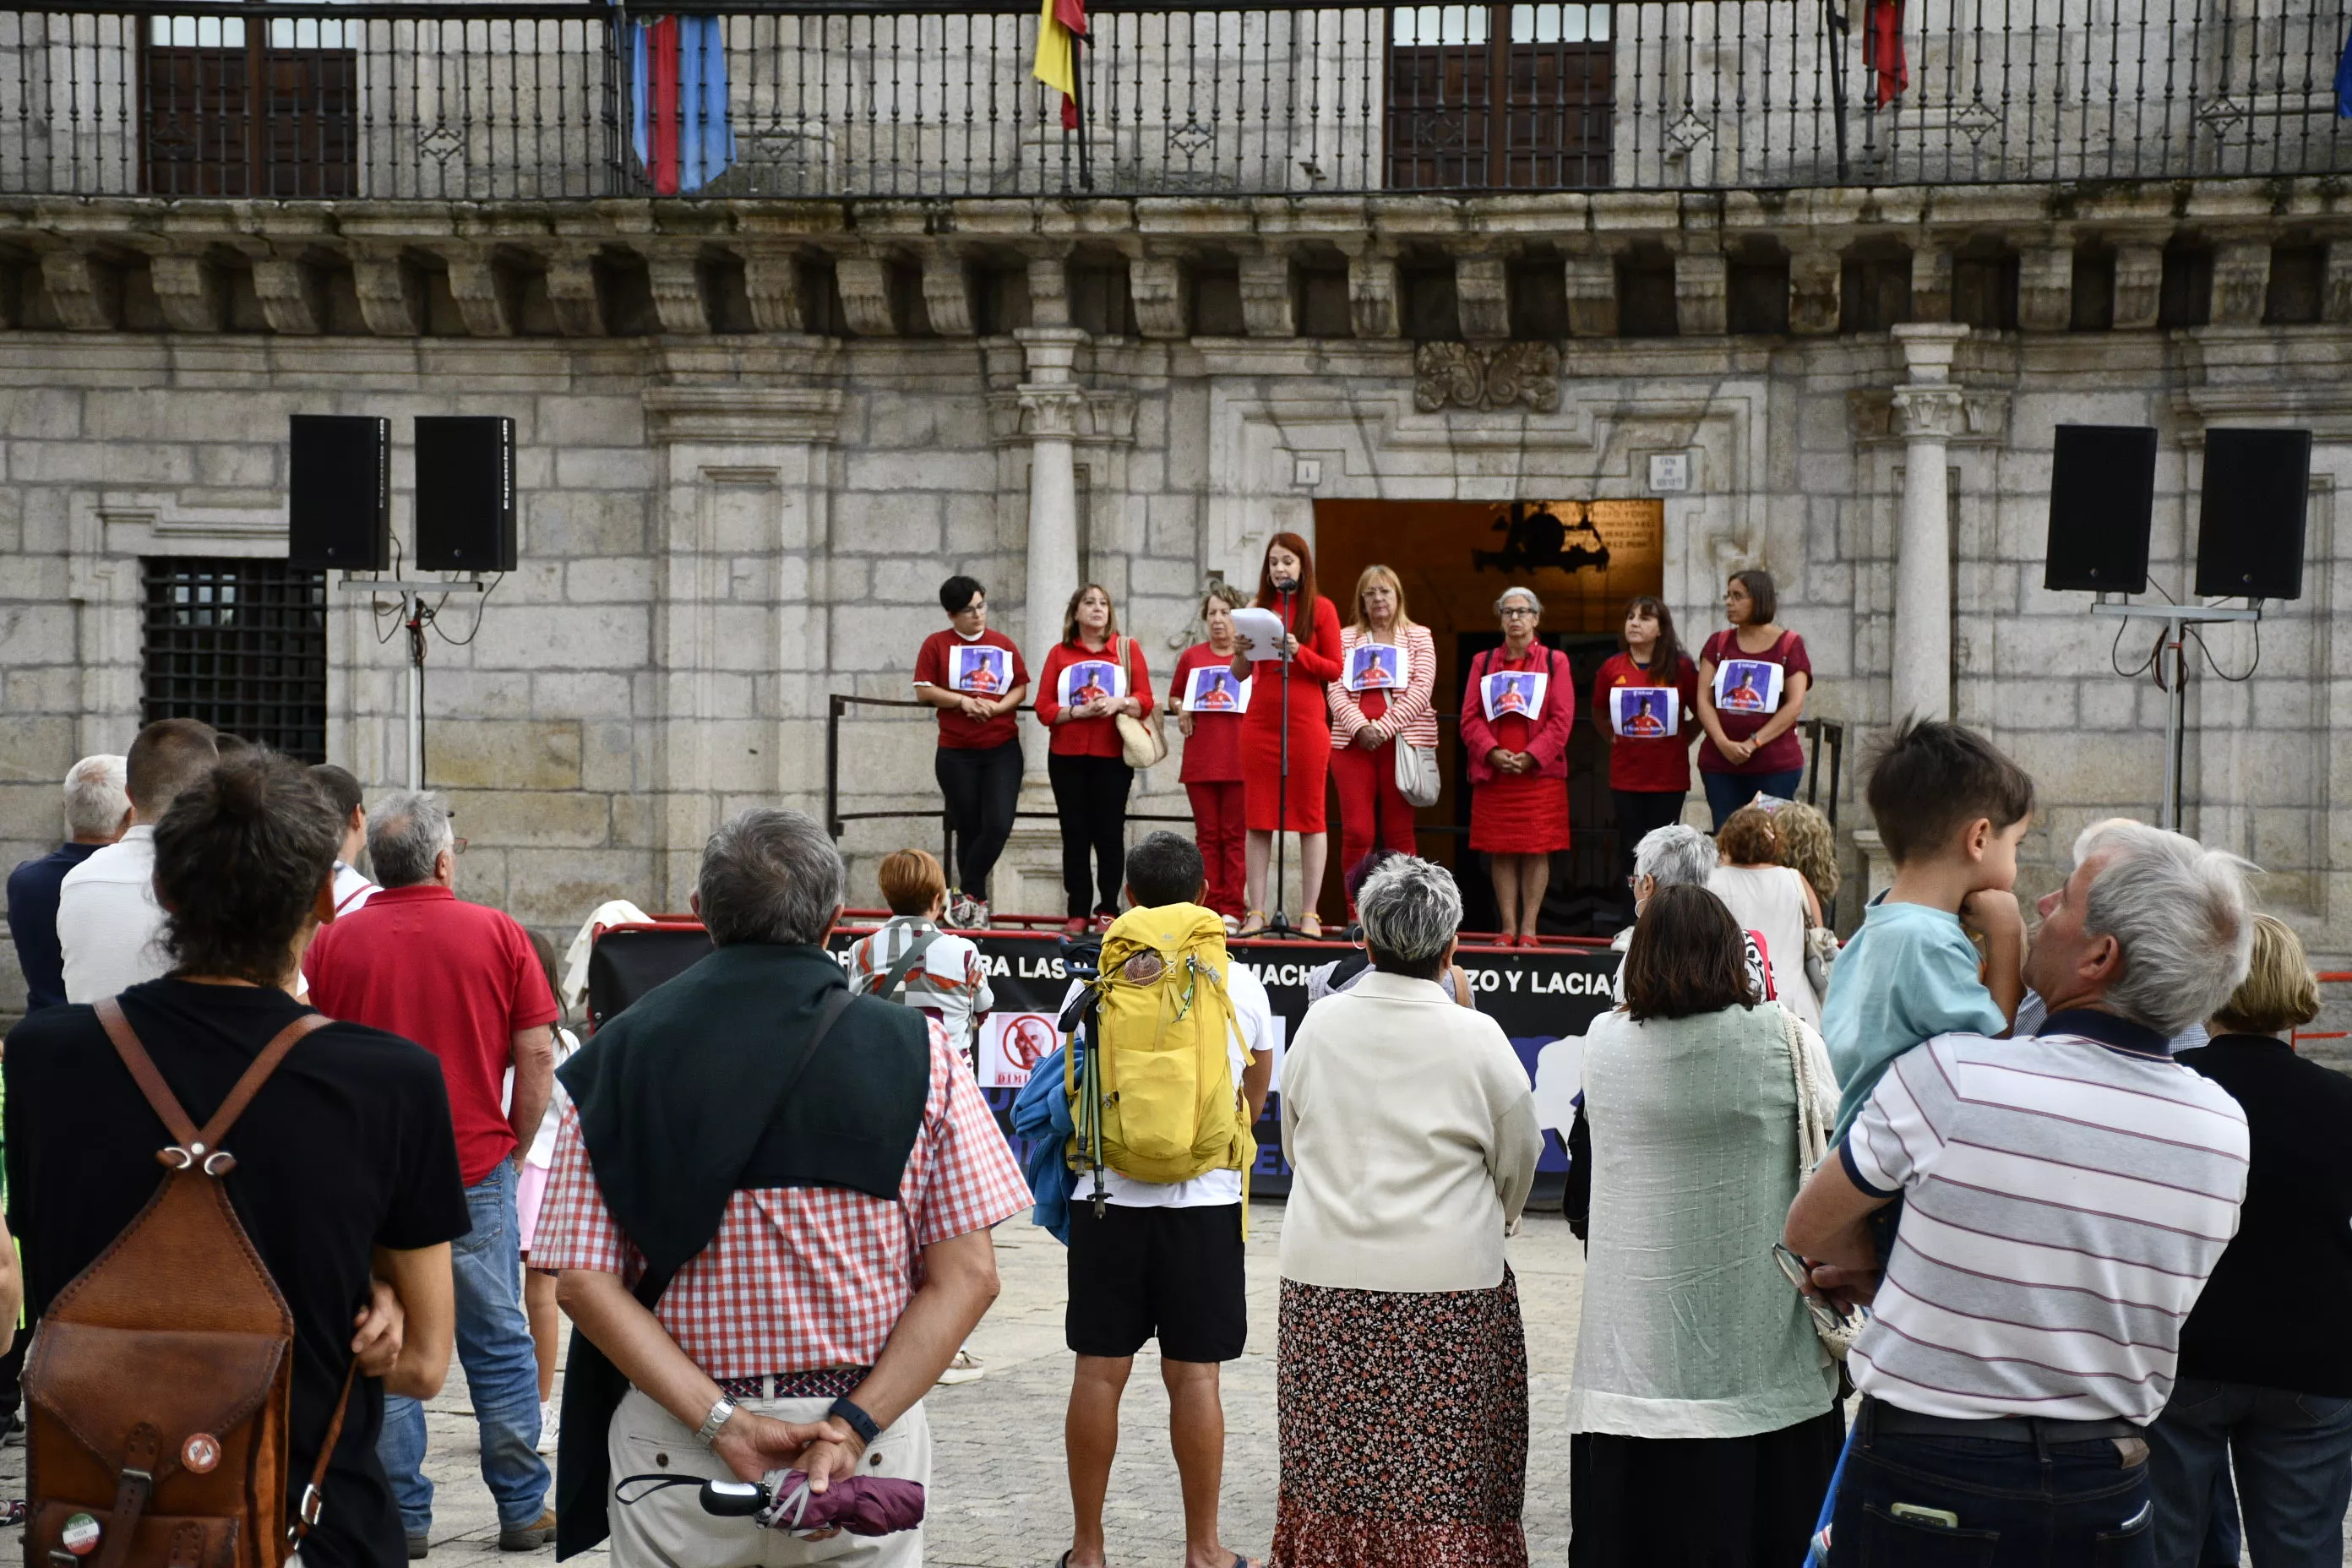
(1401,1389)
(1703,1420)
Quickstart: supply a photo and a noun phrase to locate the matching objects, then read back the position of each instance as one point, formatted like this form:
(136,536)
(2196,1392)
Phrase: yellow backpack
(1155,1098)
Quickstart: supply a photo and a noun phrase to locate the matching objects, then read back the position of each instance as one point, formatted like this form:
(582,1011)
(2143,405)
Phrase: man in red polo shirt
(462,981)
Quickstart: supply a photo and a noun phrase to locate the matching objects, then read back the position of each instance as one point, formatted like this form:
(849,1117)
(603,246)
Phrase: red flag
(1882,52)
(665,88)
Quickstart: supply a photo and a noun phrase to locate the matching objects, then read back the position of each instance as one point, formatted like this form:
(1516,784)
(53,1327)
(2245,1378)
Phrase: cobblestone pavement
(998,1496)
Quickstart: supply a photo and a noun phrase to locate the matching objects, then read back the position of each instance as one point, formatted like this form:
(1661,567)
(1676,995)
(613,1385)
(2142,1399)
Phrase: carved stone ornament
(1936,413)
(1459,375)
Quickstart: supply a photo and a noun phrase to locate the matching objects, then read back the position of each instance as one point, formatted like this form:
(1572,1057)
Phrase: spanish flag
(1060,24)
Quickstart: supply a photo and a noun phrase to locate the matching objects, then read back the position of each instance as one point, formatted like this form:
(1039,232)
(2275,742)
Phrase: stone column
(1926,414)
(1051,407)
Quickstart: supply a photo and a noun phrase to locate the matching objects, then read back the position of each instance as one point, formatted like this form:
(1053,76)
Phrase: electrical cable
(2213,663)
(481,603)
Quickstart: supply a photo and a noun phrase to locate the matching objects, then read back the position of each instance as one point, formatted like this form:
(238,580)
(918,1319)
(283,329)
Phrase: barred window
(241,645)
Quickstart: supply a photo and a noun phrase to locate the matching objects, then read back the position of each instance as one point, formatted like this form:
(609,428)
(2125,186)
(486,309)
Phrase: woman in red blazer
(1285,585)
(1519,761)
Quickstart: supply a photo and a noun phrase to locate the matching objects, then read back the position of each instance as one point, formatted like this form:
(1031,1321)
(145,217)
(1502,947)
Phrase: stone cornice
(743,416)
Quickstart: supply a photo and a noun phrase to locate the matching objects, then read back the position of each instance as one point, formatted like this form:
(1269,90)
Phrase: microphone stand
(1279,925)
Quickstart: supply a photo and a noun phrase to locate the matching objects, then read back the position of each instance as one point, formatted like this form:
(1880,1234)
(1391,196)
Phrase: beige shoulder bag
(1141,741)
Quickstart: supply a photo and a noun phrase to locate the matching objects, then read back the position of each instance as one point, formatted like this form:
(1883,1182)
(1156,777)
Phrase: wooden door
(1500,96)
(238,108)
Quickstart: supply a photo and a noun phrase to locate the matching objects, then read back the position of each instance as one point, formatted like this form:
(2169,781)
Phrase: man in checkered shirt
(834,1287)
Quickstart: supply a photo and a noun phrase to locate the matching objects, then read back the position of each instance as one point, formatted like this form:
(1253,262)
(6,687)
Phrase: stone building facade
(755,432)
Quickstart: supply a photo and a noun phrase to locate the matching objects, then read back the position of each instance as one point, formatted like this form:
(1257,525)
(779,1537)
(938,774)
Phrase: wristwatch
(856,1420)
(720,1414)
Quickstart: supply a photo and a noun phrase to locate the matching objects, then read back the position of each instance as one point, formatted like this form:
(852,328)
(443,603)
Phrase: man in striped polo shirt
(2065,1196)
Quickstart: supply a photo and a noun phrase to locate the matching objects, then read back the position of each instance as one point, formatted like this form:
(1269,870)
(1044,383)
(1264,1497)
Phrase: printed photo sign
(1091,677)
(1747,686)
(982,670)
(1375,666)
(1513,692)
(1644,712)
(1011,1044)
(1212,689)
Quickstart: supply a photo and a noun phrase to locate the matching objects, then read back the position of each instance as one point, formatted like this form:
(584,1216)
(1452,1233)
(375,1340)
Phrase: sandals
(1310,926)
(1254,923)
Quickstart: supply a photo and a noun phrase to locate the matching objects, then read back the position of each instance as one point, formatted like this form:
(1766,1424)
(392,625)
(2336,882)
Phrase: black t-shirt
(2274,1311)
(347,1147)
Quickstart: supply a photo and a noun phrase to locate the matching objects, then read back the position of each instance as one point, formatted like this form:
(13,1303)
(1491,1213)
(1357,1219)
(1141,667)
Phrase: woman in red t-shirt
(1104,676)
(1518,761)
(978,760)
(1752,682)
(1285,585)
(1212,774)
(1649,743)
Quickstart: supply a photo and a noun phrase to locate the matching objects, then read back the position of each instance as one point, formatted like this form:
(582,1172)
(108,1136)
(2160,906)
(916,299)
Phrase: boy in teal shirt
(1951,810)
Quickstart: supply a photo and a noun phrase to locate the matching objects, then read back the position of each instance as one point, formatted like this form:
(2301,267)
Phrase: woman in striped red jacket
(1380,699)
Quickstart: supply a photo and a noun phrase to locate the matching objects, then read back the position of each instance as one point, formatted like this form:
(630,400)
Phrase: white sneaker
(550,1417)
(975,914)
(966,1368)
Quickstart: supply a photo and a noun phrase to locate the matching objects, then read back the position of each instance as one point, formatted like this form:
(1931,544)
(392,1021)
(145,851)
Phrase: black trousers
(1706,1502)
(1639,812)
(1090,797)
(982,790)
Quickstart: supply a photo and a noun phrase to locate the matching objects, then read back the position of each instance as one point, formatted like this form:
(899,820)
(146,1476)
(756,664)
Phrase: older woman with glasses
(1402,1376)
(1703,1415)
(1518,708)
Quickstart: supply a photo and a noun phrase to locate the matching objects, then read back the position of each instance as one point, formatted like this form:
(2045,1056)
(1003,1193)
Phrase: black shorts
(1175,1273)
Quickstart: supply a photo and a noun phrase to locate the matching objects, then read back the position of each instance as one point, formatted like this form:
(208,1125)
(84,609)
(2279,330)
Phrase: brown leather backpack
(158,1384)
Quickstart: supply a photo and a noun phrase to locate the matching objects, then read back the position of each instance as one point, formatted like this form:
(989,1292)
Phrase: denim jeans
(1911,1500)
(1727,792)
(502,1372)
(2292,1455)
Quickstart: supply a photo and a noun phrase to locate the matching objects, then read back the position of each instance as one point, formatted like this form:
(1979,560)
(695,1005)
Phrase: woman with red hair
(1272,803)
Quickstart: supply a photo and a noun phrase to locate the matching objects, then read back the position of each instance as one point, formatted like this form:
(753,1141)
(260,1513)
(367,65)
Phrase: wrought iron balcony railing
(933,99)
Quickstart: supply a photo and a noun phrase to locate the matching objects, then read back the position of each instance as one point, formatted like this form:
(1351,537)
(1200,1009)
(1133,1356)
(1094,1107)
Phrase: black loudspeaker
(339,493)
(2101,489)
(2250,528)
(465,494)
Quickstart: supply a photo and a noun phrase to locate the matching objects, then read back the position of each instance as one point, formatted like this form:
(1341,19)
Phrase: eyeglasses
(1518,610)
(1802,1276)
(456,847)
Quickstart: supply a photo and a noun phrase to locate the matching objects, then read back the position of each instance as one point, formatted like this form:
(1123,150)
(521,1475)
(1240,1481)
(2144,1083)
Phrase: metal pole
(2176,721)
(414,606)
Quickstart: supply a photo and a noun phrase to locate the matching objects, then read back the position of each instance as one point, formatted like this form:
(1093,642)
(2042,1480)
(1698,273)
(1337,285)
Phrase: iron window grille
(241,645)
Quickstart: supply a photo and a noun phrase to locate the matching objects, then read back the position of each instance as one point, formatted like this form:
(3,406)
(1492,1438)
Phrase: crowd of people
(1331,699)
(2064,1209)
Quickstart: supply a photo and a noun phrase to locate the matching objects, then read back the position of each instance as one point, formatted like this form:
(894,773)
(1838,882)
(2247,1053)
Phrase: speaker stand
(2174,652)
(413,617)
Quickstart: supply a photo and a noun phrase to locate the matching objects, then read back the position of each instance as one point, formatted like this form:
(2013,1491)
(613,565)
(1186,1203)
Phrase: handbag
(1821,952)
(1416,774)
(1836,1327)
(1141,741)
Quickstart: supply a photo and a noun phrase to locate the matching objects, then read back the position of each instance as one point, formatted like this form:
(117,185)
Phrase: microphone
(1285,585)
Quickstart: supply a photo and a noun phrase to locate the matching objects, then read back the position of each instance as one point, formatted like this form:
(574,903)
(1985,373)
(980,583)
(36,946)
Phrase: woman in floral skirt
(1401,1373)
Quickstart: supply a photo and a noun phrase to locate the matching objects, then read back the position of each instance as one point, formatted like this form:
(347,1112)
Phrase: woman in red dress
(1211,774)
(1285,585)
(1519,763)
